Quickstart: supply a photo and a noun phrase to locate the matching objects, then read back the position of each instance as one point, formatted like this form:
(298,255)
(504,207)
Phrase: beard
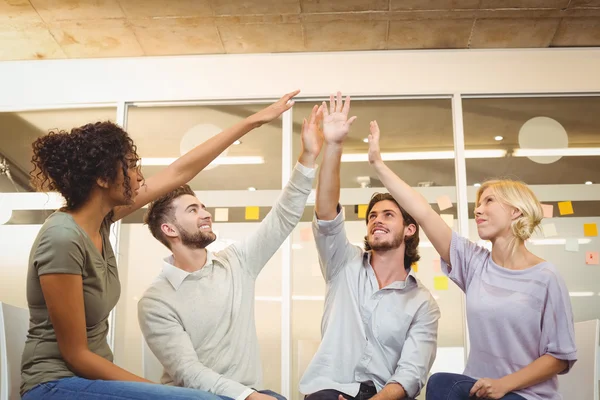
(196,240)
(385,245)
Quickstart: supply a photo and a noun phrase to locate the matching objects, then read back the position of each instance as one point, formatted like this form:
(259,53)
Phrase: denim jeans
(445,386)
(272,393)
(84,389)
(365,393)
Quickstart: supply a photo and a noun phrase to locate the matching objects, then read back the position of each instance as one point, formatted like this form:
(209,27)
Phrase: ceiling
(58,29)
(407,125)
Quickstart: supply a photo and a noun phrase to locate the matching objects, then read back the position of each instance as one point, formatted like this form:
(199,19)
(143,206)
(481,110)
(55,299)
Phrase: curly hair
(71,163)
(411,251)
(161,211)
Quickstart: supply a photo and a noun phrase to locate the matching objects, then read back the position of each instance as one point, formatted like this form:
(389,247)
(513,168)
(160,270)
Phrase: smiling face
(192,223)
(385,226)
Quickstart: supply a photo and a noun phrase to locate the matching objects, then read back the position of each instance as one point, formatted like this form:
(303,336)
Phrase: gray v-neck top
(62,247)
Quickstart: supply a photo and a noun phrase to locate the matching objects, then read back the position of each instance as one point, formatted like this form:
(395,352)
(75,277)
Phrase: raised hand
(336,124)
(273,111)
(312,134)
(374,150)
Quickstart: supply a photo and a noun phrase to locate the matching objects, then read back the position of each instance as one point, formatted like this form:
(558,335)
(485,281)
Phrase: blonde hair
(518,195)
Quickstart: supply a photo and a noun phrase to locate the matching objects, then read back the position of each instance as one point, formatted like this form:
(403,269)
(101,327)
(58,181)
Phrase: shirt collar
(176,275)
(411,277)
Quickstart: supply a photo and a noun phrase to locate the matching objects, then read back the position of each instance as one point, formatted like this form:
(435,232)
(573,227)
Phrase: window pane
(410,131)
(161,132)
(522,126)
(18,130)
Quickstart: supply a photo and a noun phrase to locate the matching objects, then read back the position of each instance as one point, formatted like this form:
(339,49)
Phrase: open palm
(312,134)
(336,124)
(374,150)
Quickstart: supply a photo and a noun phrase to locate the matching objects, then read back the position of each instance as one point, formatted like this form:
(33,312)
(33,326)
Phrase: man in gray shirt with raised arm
(379,327)
(198,316)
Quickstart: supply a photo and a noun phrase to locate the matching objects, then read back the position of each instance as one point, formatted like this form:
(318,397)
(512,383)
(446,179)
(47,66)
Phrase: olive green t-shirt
(62,247)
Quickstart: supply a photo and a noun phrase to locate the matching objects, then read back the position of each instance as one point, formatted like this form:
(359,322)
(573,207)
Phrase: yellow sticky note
(221,214)
(252,213)
(590,229)
(440,282)
(565,207)
(362,211)
(415,267)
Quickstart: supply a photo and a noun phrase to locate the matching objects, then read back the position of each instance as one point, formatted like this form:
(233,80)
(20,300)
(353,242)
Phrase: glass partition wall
(442,146)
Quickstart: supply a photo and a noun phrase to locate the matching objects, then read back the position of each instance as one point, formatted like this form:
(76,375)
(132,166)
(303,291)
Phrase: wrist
(255,121)
(377,163)
(507,384)
(308,160)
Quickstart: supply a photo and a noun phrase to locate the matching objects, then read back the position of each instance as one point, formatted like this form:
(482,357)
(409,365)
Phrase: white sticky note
(448,219)
(572,244)
(444,202)
(221,214)
(549,230)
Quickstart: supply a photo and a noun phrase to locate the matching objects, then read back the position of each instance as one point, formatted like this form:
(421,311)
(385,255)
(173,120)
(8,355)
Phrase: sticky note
(440,282)
(221,214)
(362,211)
(252,213)
(572,244)
(448,219)
(305,234)
(565,207)
(590,229)
(549,230)
(415,267)
(591,258)
(444,202)
(437,268)
(548,210)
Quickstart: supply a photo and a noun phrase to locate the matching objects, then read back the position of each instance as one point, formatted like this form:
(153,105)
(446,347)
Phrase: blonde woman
(518,307)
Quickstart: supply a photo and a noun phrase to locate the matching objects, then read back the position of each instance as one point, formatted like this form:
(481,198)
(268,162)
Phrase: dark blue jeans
(85,389)
(444,386)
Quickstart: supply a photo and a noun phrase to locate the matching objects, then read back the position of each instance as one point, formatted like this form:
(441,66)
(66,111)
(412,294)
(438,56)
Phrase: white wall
(51,82)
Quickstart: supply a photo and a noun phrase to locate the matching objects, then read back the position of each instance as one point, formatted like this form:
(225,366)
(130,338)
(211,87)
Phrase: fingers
(475,388)
(313,115)
(346,108)
(338,104)
(374,128)
(340,397)
(303,125)
(331,104)
(287,97)
(350,121)
(324,109)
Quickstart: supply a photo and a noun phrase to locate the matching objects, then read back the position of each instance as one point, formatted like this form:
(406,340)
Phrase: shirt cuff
(307,172)
(245,394)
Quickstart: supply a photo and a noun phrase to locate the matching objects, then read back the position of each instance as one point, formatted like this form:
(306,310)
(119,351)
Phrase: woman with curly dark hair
(72,281)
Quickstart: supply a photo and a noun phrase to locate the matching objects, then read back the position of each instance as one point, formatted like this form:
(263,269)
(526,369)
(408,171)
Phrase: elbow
(562,367)
(75,358)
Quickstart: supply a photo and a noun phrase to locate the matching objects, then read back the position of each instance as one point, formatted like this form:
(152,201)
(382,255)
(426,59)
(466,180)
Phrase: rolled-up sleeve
(418,353)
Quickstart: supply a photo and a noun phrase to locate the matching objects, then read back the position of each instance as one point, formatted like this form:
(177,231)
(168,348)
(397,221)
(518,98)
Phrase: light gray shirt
(369,334)
(514,316)
(201,325)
